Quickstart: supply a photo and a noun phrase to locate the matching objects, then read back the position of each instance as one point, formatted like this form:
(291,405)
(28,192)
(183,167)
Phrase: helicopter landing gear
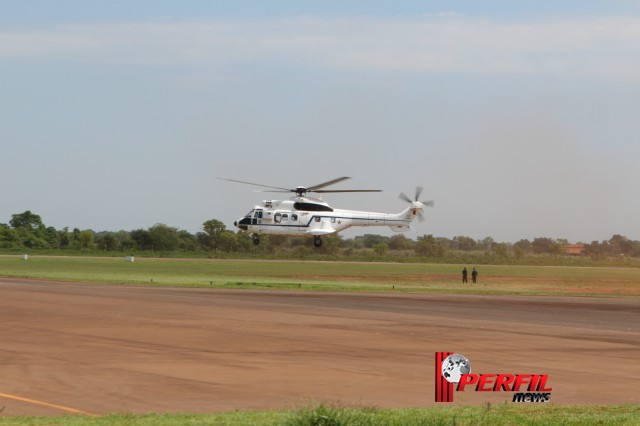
(317,242)
(256,239)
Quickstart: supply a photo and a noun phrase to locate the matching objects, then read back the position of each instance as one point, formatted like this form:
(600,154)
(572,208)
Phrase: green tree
(141,238)
(52,237)
(279,241)
(27,220)
(30,231)
(500,250)
(125,242)
(555,248)
(8,237)
(228,242)
(26,238)
(163,237)
(596,250)
(541,245)
(381,249)
(400,242)
(523,245)
(65,237)
(370,240)
(464,243)
(106,241)
(428,246)
(446,242)
(85,240)
(621,245)
(486,243)
(188,241)
(213,229)
(75,237)
(331,244)
(245,244)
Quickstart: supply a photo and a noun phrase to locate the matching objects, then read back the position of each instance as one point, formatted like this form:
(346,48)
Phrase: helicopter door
(257,218)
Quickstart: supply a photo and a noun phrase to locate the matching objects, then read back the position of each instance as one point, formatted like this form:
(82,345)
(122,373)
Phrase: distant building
(573,249)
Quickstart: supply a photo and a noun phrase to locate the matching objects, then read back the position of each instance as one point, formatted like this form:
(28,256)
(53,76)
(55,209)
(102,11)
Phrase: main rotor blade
(418,192)
(257,184)
(403,197)
(326,191)
(429,203)
(331,182)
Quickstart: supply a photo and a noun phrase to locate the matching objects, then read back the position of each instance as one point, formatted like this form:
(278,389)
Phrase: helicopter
(313,217)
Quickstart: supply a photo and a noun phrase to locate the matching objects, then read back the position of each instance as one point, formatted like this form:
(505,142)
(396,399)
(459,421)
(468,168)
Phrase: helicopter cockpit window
(255,216)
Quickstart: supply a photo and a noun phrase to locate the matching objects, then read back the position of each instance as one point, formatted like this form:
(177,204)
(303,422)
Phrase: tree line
(27,231)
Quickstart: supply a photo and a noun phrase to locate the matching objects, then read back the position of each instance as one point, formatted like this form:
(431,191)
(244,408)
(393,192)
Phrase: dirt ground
(103,349)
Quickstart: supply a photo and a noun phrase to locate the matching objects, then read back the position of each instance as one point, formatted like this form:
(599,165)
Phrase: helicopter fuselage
(301,216)
(314,218)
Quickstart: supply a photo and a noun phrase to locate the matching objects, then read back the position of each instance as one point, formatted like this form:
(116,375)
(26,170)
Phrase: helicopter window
(250,214)
(317,218)
(277,218)
(259,214)
(285,217)
(312,207)
(294,217)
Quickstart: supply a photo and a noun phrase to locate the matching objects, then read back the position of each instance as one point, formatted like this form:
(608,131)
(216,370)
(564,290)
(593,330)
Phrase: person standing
(474,275)
(464,275)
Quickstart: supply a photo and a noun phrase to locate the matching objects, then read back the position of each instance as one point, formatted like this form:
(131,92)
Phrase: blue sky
(518,118)
(44,11)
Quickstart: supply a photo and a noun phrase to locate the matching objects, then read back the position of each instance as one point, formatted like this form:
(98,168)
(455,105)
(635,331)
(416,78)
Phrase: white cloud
(597,47)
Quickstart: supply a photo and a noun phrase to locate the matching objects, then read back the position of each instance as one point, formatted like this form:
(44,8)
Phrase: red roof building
(573,249)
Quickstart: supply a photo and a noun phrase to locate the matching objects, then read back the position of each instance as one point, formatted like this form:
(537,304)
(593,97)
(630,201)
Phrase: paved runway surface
(102,349)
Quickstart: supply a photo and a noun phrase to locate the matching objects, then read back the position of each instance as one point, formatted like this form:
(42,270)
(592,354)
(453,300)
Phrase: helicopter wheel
(256,239)
(317,242)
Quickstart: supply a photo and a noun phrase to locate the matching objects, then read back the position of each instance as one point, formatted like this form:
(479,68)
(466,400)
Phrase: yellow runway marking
(47,404)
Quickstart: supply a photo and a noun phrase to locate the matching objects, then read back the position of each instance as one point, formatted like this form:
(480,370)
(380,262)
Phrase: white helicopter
(311,217)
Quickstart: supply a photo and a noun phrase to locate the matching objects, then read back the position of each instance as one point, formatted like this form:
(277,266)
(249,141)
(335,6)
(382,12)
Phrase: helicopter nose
(235,223)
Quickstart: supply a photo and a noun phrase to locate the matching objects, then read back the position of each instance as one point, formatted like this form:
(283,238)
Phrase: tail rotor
(416,204)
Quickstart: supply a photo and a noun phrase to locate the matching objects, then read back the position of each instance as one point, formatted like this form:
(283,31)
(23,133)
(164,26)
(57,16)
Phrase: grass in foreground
(334,276)
(328,415)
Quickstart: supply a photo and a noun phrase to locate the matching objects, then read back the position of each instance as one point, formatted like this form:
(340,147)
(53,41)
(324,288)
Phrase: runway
(105,348)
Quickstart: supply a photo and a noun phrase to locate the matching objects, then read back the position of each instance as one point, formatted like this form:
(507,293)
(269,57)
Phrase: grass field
(333,276)
(322,415)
